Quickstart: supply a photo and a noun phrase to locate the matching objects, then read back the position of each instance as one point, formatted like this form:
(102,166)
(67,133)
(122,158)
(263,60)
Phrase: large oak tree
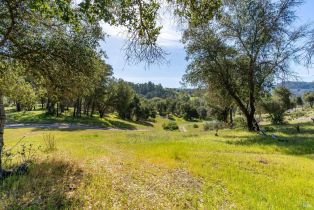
(245,49)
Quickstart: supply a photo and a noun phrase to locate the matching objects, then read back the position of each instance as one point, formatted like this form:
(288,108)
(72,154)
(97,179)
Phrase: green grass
(154,169)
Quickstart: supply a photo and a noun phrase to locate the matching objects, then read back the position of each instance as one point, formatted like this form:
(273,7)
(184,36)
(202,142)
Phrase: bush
(213,125)
(276,112)
(239,122)
(269,129)
(206,126)
(50,142)
(195,125)
(170,126)
(19,160)
(170,117)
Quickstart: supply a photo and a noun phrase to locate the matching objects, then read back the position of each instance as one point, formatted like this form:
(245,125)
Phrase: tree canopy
(244,49)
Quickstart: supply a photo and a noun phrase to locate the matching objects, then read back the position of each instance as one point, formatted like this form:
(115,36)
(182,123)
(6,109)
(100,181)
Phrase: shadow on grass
(47,185)
(121,125)
(42,121)
(43,118)
(145,123)
(290,129)
(286,140)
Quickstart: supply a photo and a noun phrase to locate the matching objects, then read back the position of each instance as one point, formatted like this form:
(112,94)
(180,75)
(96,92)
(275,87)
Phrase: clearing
(156,169)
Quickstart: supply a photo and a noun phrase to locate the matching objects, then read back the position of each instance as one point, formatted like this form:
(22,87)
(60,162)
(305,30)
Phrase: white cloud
(114,31)
(169,35)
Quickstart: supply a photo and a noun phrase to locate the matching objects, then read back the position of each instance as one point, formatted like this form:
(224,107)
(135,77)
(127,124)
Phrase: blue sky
(170,73)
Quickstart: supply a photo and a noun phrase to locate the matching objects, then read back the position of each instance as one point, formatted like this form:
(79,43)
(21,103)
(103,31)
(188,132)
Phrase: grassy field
(148,168)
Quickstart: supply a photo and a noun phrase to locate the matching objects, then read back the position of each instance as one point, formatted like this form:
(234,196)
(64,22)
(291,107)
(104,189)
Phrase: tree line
(55,44)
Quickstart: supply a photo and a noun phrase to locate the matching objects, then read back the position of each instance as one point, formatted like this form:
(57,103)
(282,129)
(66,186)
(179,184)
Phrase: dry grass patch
(122,182)
(50,184)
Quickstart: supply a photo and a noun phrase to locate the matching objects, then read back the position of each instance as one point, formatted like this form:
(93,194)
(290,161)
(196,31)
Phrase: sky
(170,73)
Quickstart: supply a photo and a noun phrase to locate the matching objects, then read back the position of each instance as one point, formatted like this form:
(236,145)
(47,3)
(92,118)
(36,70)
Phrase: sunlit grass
(155,169)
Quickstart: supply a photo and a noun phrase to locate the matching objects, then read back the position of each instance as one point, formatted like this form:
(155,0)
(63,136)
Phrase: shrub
(276,111)
(50,142)
(19,160)
(195,125)
(170,117)
(171,126)
(213,125)
(239,122)
(269,129)
(206,126)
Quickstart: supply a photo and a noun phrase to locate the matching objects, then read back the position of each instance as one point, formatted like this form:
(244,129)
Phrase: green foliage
(202,112)
(170,126)
(269,129)
(206,126)
(196,12)
(195,126)
(150,90)
(239,122)
(275,110)
(212,125)
(18,155)
(124,97)
(299,101)
(238,52)
(282,95)
(309,98)
(189,112)
(277,105)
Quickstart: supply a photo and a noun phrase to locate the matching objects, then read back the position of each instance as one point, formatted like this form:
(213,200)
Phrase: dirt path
(66,126)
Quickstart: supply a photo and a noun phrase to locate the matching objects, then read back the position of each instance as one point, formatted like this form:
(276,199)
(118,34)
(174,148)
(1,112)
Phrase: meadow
(148,168)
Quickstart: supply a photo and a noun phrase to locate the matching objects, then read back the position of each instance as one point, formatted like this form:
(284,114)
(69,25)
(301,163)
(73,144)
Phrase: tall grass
(49,142)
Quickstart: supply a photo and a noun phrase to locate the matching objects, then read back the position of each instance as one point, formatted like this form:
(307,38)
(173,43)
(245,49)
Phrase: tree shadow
(47,185)
(293,144)
(145,123)
(290,129)
(74,124)
(121,125)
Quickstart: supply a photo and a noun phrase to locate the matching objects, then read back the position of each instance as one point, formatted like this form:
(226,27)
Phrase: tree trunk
(87,106)
(93,109)
(78,108)
(50,107)
(101,114)
(252,124)
(62,107)
(2,122)
(231,117)
(47,105)
(74,110)
(249,121)
(42,103)
(18,106)
(57,109)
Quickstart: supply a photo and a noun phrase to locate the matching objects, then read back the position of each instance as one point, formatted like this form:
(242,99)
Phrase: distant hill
(298,88)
